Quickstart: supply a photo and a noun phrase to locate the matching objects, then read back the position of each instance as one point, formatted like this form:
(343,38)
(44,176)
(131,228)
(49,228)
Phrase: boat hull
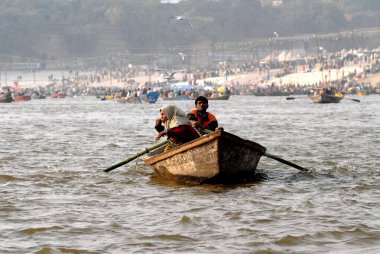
(22,98)
(58,95)
(218,157)
(5,98)
(132,100)
(325,98)
(362,93)
(177,98)
(108,97)
(222,97)
(38,96)
(152,97)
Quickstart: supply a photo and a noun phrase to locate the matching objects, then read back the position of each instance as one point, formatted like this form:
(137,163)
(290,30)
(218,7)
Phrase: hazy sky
(170,1)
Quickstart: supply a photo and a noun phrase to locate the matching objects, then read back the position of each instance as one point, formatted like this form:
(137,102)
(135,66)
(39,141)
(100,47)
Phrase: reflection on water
(55,198)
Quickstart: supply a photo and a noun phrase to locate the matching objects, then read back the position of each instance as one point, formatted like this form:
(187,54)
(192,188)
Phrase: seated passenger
(176,127)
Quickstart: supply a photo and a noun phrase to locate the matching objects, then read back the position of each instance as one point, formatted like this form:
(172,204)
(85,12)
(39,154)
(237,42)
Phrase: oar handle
(147,150)
(285,162)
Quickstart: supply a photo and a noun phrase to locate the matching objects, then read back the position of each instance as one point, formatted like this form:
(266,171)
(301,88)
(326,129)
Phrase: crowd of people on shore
(200,80)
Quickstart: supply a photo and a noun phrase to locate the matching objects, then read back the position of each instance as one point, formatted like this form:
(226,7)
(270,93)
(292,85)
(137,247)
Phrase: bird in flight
(166,75)
(183,18)
(182,55)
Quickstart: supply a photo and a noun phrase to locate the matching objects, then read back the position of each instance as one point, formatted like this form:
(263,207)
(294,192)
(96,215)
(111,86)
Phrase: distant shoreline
(41,78)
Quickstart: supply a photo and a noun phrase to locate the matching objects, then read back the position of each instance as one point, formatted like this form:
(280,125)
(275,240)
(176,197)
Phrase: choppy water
(54,197)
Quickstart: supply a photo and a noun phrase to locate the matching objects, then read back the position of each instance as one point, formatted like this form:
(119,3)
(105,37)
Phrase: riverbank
(45,78)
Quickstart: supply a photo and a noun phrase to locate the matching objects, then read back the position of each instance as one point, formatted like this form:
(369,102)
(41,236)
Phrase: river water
(55,198)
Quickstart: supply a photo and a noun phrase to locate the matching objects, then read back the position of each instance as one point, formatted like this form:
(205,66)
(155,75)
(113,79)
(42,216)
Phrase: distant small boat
(152,97)
(271,93)
(109,97)
(133,100)
(22,98)
(361,91)
(36,96)
(5,99)
(6,96)
(58,95)
(177,98)
(221,97)
(327,98)
(218,157)
(326,95)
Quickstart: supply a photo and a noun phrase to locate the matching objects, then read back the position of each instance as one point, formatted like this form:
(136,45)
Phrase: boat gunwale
(187,146)
(202,140)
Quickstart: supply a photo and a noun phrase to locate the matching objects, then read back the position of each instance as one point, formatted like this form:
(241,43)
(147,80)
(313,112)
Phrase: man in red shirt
(200,118)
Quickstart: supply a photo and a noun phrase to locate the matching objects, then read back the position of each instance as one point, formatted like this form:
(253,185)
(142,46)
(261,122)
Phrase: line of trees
(54,29)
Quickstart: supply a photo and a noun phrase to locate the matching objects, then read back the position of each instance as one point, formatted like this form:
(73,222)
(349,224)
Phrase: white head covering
(176,116)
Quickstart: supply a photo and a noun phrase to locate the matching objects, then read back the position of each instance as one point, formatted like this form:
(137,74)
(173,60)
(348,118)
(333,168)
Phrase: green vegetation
(56,29)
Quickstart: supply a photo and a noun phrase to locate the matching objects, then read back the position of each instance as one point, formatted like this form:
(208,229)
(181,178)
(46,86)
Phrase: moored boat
(58,95)
(36,96)
(221,97)
(6,97)
(218,157)
(109,97)
(152,97)
(22,98)
(5,100)
(133,100)
(361,92)
(177,98)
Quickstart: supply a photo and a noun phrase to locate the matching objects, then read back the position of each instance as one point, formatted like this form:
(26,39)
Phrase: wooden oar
(272,156)
(352,99)
(146,150)
(285,162)
(293,98)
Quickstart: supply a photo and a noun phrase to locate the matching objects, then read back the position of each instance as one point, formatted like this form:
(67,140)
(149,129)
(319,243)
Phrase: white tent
(268,58)
(289,56)
(282,56)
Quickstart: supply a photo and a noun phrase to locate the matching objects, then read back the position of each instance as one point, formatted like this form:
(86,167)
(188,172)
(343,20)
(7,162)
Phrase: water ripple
(55,198)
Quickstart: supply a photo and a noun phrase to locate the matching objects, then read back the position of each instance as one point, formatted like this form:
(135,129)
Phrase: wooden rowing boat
(132,100)
(58,95)
(184,97)
(218,157)
(361,93)
(151,97)
(221,97)
(109,97)
(22,98)
(327,98)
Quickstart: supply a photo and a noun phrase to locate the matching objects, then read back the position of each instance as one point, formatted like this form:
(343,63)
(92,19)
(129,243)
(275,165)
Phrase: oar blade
(356,100)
